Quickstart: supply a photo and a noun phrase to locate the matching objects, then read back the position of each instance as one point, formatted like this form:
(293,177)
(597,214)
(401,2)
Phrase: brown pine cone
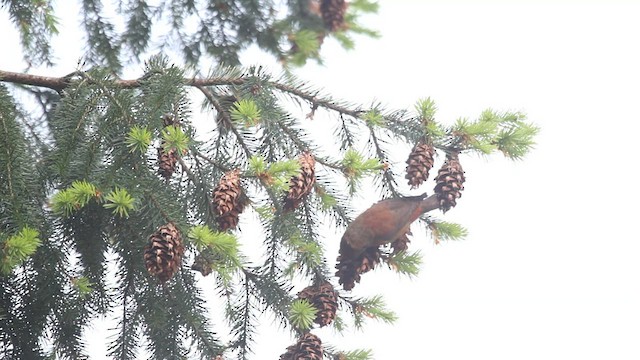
(419,163)
(449,182)
(323,298)
(163,253)
(167,160)
(308,347)
(333,12)
(301,184)
(350,269)
(229,200)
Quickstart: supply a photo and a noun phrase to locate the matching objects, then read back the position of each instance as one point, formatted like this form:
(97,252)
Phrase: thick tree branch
(55,83)
(60,83)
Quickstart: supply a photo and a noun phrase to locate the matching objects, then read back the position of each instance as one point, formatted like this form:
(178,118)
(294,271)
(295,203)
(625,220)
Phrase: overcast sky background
(550,267)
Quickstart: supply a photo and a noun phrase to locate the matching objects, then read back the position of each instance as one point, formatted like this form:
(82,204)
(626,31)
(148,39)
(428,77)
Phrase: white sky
(550,268)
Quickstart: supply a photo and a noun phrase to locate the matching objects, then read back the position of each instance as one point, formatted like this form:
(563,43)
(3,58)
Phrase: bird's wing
(385,221)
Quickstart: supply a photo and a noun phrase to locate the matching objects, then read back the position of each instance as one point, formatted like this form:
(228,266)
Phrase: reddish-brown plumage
(385,222)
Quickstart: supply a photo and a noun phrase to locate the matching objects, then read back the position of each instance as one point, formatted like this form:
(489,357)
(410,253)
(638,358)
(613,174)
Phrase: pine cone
(350,269)
(301,184)
(323,298)
(333,14)
(202,264)
(308,347)
(166,161)
(230,220)
(163,253)
(419,163)
(449,182)
(229,200)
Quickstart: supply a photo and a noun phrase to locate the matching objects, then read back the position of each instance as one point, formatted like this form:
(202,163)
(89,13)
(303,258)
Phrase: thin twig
(381,155)
(209,95)
(210,160)
(317,101)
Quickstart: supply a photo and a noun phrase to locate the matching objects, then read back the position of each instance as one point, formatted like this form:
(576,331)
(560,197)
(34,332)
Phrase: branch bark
(60,83)
(55,83)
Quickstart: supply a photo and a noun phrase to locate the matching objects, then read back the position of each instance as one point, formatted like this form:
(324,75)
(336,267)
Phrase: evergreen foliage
(81,193)
(192,29)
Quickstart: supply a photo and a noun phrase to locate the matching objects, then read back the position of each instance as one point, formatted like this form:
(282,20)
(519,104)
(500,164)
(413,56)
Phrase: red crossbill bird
(384,222)
(387,221)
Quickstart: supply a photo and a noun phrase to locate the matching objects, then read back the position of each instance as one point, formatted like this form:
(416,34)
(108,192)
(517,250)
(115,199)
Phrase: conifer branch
(209,95)
(317,101)
(304,147)
(34,134)
(43,100)
(60,83)
(273,294)
(210,160)
(248,154)
(106,92)
(125,319)
(9,154)
(387,176)
(215,103)
(320,272)
(55,83)
(121,345)
(245,329)
(159,207)
(187,171)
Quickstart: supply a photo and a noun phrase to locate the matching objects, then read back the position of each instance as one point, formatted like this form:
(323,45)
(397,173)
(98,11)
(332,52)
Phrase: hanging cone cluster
(419,163)
(163,253)
(350,269)
(322,297)
(332,12)
(229,200)
(301,184)
(308,347)
(167,160)
(449,182)
(201,264)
